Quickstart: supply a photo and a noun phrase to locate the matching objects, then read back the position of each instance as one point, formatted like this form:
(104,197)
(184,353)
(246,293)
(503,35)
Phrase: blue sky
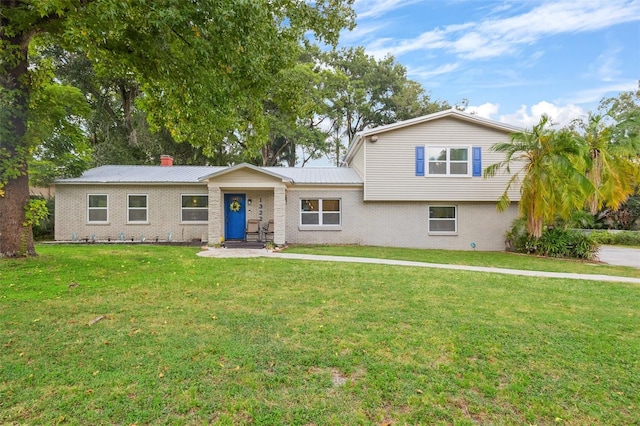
(512,60)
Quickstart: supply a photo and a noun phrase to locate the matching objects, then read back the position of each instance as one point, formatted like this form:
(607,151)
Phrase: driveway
(620,256)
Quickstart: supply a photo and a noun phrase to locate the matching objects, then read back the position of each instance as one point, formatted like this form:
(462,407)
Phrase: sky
(511,60)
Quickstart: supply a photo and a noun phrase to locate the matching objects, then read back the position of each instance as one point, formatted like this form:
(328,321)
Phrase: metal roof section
(142,174)
(268,171)
(319,175)
(200,174)
(360,136)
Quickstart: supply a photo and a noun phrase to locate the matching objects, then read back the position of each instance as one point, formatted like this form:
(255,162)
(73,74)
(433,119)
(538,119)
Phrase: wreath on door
(235,206)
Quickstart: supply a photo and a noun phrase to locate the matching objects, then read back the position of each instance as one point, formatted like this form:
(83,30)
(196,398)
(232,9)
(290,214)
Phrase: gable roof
(472,118)
(241,166)
(200,174)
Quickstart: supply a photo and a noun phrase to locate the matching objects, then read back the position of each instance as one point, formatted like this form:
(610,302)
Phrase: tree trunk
(595,177)
(16,238)
(129,93)
(534,222)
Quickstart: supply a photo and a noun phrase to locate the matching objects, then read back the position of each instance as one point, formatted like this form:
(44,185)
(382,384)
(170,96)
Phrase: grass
(188,340)
(475,258)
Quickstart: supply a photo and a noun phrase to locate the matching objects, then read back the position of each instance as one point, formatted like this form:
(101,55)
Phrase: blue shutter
(477,160)
(419,160)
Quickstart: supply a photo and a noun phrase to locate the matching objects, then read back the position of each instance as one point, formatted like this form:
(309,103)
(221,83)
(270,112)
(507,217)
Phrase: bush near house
(554,242)
(43,230)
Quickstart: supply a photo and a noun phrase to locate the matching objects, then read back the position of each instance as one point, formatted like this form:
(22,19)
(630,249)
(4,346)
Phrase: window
(443,219)
(98,208)
(445,161)
(321,212)
(137,208)
(195,208)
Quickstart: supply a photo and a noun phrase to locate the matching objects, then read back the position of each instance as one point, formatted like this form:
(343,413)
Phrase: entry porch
(244,193)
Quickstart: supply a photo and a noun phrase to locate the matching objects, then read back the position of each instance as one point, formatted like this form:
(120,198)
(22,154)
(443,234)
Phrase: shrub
(554,242)
(43,229)
(623,238)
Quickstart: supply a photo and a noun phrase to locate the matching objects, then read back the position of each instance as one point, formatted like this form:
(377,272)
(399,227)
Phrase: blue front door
(235,216)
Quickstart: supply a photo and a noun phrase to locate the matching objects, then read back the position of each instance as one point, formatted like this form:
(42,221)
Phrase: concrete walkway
(231,253)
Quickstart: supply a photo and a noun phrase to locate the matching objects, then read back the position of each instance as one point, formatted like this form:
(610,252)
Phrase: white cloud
(427,72)
(596,94)
(375,8)
(498,36)
(560,115)
(606,65)
(486,110)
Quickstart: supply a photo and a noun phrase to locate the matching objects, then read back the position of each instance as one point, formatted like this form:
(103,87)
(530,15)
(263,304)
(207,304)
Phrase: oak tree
(205,61)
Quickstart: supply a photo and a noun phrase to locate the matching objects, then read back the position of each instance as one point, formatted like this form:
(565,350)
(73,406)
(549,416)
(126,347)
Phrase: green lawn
(188,340)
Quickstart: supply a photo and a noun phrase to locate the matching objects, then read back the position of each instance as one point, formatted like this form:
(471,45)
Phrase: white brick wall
(164,213)
(399,224)
(381,223)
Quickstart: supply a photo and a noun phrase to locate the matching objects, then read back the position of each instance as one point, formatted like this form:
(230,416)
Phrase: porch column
(215,221)
(279,215)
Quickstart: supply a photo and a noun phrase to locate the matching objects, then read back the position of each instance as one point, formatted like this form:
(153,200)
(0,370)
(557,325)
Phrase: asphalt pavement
(620,256)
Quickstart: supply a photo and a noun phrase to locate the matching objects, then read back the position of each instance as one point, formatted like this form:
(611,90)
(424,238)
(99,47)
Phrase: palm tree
(551,185)
(609,166)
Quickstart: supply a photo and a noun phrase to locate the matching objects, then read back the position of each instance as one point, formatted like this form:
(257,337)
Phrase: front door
(235,216)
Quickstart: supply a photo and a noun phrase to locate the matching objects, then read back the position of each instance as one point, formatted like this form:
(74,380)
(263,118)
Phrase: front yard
(185,340)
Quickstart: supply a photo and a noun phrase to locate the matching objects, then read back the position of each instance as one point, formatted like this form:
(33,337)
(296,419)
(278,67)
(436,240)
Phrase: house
(416,183)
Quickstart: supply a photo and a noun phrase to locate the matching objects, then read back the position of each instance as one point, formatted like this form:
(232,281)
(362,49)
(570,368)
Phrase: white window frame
(182,209)
(321,212)
(455,219)
(89,208)
(448,161)
(146,208)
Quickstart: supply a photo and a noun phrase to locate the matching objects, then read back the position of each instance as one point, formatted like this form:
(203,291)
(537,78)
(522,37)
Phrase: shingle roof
(194,174)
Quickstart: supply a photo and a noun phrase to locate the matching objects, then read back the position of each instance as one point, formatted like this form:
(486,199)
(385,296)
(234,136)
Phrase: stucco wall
(399,224)
(164,213)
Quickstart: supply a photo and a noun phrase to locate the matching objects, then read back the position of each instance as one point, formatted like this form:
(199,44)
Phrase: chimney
(166,160)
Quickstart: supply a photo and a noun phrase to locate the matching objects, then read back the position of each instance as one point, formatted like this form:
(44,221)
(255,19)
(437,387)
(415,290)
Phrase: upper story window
(448,161)
(137,210)
(97,208)
(321,212)
(195,208)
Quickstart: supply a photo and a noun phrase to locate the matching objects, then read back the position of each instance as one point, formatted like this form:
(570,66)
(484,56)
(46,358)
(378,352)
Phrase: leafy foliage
(627,216)
(553,242)
(363,92)
(43,229)
(551,185)
(622,238)
(36,212)
(611,166)
(204,68)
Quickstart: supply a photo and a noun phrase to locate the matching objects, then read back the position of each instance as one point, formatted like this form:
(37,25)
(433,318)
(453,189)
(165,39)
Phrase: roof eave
(245,166)
(440,114)
(106,182)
